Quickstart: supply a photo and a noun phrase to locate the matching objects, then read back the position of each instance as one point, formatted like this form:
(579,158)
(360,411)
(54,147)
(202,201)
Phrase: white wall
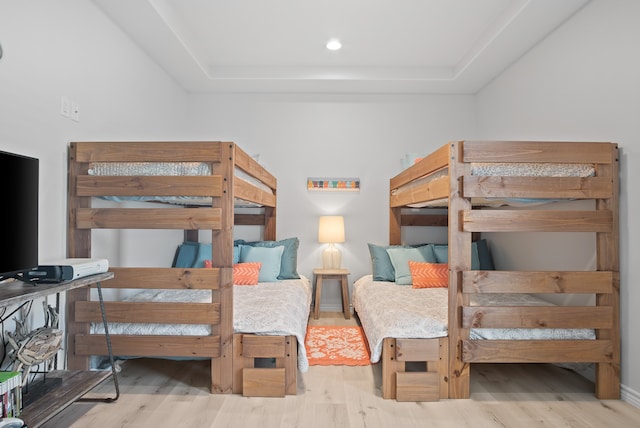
(300,136)
(582,83)
(68,48)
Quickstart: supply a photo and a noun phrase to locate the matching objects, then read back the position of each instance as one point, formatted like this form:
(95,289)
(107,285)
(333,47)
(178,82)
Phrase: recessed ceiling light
(334,45)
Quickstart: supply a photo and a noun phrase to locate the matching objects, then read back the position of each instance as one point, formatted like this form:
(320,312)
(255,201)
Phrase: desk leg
(316,305)
(345,297)
(108,338)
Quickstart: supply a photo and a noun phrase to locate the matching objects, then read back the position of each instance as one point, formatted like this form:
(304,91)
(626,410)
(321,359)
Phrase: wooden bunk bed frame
(458,186)
(232,364)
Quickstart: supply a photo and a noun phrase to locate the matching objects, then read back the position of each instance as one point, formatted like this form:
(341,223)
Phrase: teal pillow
(381,266)
(289,263)
(185,254)
(400,258)
(204,253)
(484,255)
(192,255)
(442,253)
(480,255)
(270,257)
(236,254)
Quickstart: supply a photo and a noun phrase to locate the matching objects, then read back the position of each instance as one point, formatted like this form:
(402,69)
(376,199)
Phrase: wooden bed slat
(165,278)
(435,189)
(536,221)
(536,351)
(536,187)
(417,350)
(147,151)
(435,161)
(417,386)
(149,346)
(254,169)
(537,317)
(572,282)
(249,220)
(247,192)
(425,220)
(263,382)
(536,151)
(263,346)
(150,312)
(89,185)
(138,218)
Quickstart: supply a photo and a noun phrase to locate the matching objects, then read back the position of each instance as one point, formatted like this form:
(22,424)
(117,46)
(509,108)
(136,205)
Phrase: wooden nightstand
(340,274)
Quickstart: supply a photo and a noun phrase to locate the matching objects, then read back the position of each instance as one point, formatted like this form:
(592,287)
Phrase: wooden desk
(339,274)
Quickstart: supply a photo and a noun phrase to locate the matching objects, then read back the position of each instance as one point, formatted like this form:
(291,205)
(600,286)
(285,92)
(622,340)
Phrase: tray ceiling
(400,46)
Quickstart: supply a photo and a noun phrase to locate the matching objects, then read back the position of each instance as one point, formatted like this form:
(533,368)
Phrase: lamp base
(331,258)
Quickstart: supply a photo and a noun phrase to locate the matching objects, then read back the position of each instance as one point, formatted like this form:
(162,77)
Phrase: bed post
(222,242)
(459,261)
(608,259)
(269,224)
(78,245)
(395,219)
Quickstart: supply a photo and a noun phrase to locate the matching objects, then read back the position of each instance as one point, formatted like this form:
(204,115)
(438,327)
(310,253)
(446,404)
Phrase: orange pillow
(429,275)
(246,273)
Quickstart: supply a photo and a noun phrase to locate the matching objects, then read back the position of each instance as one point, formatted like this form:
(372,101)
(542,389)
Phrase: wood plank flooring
(166,393)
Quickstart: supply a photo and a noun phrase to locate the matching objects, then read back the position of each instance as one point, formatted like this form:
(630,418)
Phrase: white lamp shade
(331,229)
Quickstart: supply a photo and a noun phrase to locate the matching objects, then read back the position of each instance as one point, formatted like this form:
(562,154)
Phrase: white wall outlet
(75,111)
(65,107)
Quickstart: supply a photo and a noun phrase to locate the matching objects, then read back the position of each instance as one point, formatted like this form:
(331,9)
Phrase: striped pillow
(246,273)
(429,275)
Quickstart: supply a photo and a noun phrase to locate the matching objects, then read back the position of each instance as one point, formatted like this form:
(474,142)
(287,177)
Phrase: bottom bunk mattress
(269,308)
(389,310)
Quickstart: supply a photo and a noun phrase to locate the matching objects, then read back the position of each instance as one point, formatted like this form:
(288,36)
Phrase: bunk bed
(199,185)
(465,177)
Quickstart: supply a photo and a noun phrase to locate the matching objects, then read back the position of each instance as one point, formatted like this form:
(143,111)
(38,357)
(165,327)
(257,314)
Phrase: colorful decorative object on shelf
(334,184)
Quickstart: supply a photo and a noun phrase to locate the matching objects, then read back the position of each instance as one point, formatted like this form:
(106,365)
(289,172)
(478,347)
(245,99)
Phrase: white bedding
(400,311)
(269,308)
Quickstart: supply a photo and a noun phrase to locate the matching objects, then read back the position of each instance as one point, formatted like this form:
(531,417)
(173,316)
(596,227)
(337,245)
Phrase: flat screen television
(19,225)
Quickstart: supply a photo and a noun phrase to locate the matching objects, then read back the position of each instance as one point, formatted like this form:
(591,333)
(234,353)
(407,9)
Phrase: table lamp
(331,231)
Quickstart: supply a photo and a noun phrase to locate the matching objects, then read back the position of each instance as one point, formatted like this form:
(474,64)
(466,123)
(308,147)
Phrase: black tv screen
(19,227)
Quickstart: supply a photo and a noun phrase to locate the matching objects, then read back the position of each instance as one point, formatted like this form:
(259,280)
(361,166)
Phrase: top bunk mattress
(503,169)
(169,169)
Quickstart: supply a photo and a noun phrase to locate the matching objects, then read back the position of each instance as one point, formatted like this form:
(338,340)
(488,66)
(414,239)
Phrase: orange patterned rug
(336,346)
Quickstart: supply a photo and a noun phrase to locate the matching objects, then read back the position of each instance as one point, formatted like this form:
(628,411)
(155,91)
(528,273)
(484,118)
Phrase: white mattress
(168,169)
(269,308)
(400,311)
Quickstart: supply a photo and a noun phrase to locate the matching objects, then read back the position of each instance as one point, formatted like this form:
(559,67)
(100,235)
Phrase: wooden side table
(340,274)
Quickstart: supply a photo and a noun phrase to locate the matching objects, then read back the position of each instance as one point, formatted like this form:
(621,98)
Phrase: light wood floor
(165,393)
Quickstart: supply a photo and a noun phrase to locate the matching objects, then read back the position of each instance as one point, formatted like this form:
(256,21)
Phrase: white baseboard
(630,396)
